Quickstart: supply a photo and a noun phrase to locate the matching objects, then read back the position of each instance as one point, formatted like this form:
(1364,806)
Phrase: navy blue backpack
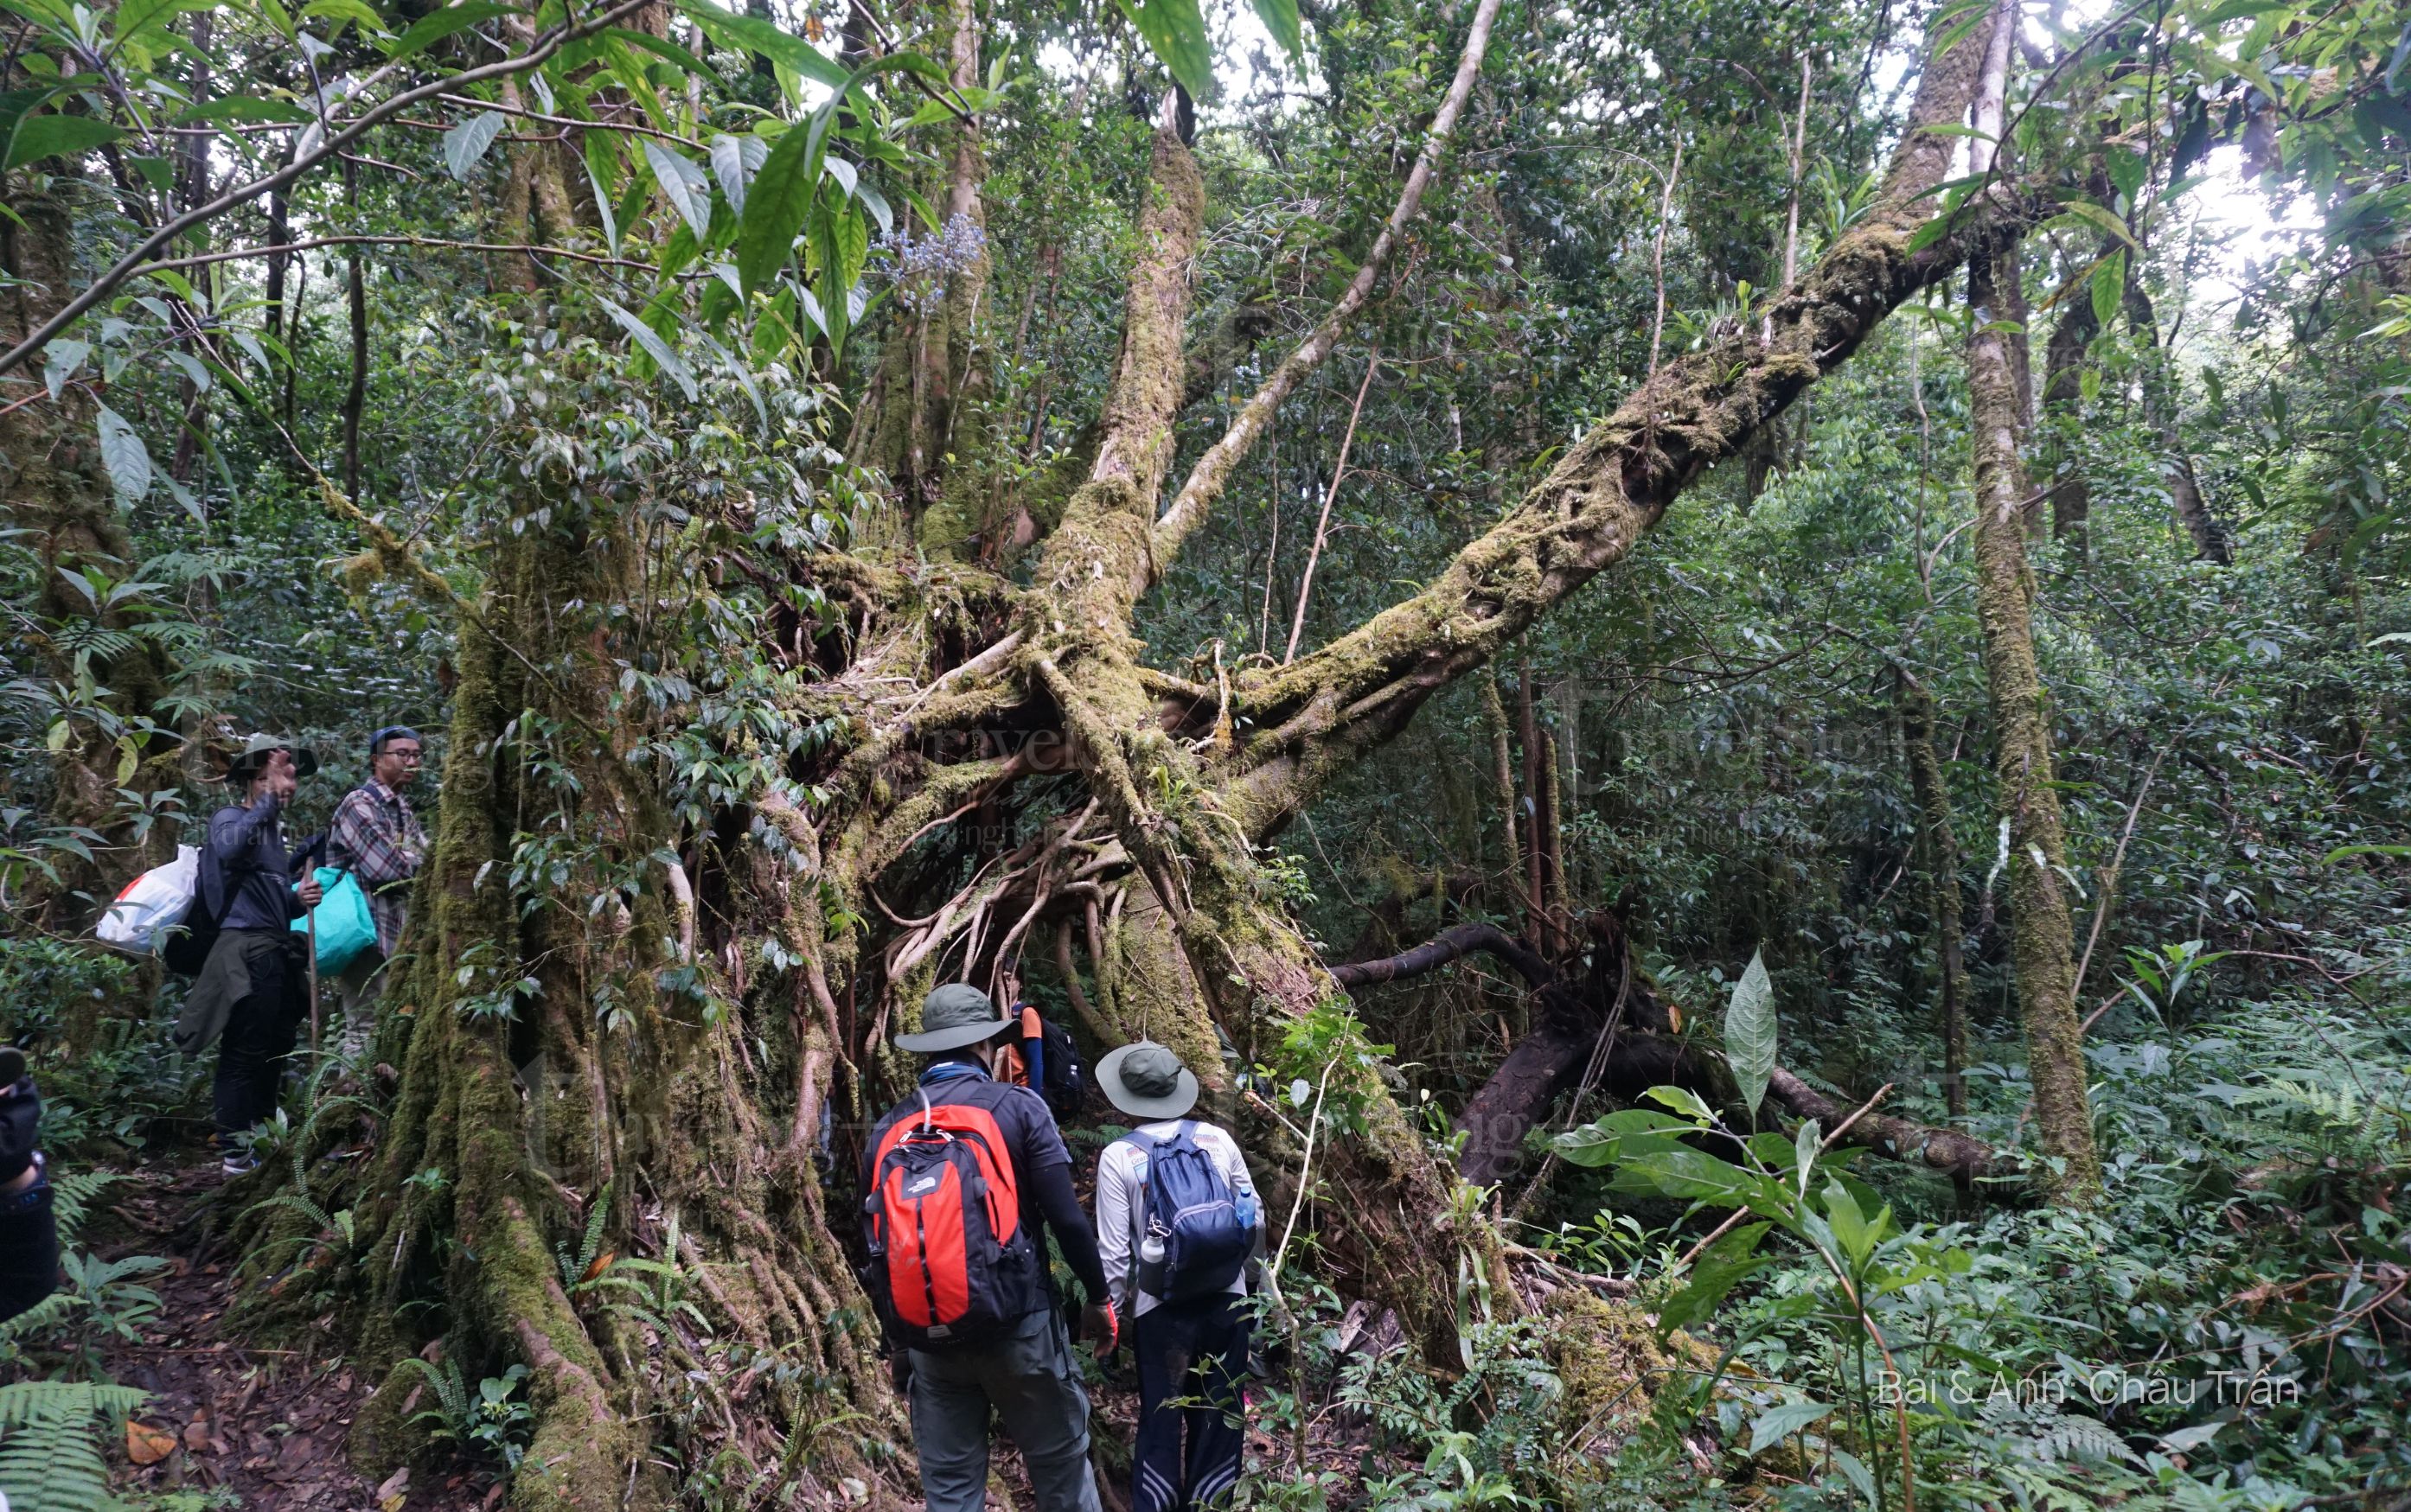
(1206,1228)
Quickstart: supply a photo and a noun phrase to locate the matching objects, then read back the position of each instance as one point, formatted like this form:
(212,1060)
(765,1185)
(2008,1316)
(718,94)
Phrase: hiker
(973,1323)
(1177,1229)
(29,1234)
(375,836)
(254,991)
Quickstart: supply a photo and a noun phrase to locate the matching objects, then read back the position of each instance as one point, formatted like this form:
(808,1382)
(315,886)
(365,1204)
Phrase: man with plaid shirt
(376,838)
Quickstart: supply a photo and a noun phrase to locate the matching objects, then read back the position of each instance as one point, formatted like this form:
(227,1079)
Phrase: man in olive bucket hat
(1178,1228)
(972,1324)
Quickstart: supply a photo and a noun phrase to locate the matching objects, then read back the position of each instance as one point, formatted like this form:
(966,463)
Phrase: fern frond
(50,1443)
(72,1196)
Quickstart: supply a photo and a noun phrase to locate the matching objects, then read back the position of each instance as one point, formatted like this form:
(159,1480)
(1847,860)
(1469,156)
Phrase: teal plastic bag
(345,927)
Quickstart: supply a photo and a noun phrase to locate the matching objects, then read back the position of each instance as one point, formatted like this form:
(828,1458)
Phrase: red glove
(1101,1327)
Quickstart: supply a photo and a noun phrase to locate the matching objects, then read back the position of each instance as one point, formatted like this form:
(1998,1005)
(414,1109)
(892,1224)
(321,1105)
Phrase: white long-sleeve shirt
(1122,1202)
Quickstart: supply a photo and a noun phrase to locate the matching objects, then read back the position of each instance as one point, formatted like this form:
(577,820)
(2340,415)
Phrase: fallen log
(1963,1157)
(1572,1015)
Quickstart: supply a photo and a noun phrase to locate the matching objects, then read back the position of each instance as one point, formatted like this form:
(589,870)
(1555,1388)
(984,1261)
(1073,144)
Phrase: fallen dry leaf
(146,1445)
(196,1434)
(602,1263)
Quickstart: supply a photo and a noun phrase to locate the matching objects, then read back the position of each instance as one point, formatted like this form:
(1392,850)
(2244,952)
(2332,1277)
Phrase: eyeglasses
(399,753)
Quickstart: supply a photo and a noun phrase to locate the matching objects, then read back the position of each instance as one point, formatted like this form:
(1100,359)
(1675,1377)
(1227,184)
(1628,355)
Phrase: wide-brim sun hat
(1147,1080)
(953,1017)
(256,750)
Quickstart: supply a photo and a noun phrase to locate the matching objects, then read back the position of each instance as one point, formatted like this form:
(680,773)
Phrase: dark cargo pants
(1029,1376)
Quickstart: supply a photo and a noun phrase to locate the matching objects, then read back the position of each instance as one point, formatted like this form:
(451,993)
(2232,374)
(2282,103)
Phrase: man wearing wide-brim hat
(1020,1363)
(252,994)
(1191,1339)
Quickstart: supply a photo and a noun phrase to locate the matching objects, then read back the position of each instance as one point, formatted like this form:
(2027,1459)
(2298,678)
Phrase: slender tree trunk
(929,384)
(2063,394)
(2160,409)
(1938,847)
(2040,927)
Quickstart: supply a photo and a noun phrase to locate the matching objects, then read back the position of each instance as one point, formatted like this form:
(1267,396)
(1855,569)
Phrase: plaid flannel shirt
(376,837)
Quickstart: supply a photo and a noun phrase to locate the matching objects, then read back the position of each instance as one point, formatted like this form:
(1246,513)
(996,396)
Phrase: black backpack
(184,946)
(1062,1076)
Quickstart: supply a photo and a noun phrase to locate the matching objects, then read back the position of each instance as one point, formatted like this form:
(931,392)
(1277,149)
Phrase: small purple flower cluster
(920,266)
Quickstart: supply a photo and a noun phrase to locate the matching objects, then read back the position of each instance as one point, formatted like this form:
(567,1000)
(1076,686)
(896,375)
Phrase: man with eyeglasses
(375,836)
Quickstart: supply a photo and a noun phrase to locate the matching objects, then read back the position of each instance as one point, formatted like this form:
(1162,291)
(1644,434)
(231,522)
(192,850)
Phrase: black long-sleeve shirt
(247,853)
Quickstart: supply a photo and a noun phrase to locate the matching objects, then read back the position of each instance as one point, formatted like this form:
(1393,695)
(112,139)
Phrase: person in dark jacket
(29,1235)
(253,992)
(1027,1374)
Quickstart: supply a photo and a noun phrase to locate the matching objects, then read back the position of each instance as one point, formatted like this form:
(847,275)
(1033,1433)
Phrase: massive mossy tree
(788,683)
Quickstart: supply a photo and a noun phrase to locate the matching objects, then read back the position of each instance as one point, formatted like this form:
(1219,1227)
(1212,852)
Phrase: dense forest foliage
(1736,672)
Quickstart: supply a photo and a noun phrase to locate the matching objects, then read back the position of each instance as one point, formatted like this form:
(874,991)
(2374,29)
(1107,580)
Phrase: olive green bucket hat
(953,1016)
(257,749)
(1147,1081)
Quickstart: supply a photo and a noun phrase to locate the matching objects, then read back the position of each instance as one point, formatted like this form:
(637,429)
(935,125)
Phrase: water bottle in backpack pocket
(1196,1229)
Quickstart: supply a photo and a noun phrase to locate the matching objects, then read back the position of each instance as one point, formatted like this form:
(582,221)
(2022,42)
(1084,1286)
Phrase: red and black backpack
(951,1261)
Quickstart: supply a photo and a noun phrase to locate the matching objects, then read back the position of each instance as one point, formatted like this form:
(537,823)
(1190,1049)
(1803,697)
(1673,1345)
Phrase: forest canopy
(1734,674)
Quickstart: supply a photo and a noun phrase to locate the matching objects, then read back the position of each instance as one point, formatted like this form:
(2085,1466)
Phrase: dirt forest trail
(266,1422)
(270,1422)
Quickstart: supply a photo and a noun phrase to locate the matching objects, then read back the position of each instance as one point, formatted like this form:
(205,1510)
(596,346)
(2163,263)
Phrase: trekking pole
(317,1047)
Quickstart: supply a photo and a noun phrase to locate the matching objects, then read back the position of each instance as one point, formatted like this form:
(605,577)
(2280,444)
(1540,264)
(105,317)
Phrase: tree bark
(930,383)
(2063,392)
(2160,411)
(2041,928)
(1938,848)
(113,677)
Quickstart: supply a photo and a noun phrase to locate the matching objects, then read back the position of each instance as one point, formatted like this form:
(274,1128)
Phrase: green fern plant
(574,1267)
(51,1442)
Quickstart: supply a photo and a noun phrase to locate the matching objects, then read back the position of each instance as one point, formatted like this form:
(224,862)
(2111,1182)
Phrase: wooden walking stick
(317,1046)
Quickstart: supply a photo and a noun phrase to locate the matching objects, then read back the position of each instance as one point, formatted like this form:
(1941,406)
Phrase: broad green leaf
(654,347)
(436,25)
(136,17)
(246,108)
(684,183)
(1723,1266)
(1694,1176)
(57,136)
(1176,31)
(127,460)
(1804,1151)
(2344,853)
(1749,1032)
(60,362)
(1781,1422)
(2099,216)
(750,34)
(466,143)
(1683,1100)
(734,160)
(776,204)
(2109,289)
(1849,1226)
(2126,170)
(668,52)
(1280,19)
(340,11)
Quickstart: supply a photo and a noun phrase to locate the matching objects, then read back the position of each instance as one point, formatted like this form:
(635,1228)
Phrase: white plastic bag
(151,902)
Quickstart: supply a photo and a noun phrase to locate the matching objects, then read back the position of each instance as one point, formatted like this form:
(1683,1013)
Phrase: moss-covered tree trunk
(615,1013)
(110,762)
(1937,847)
(2040,929)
